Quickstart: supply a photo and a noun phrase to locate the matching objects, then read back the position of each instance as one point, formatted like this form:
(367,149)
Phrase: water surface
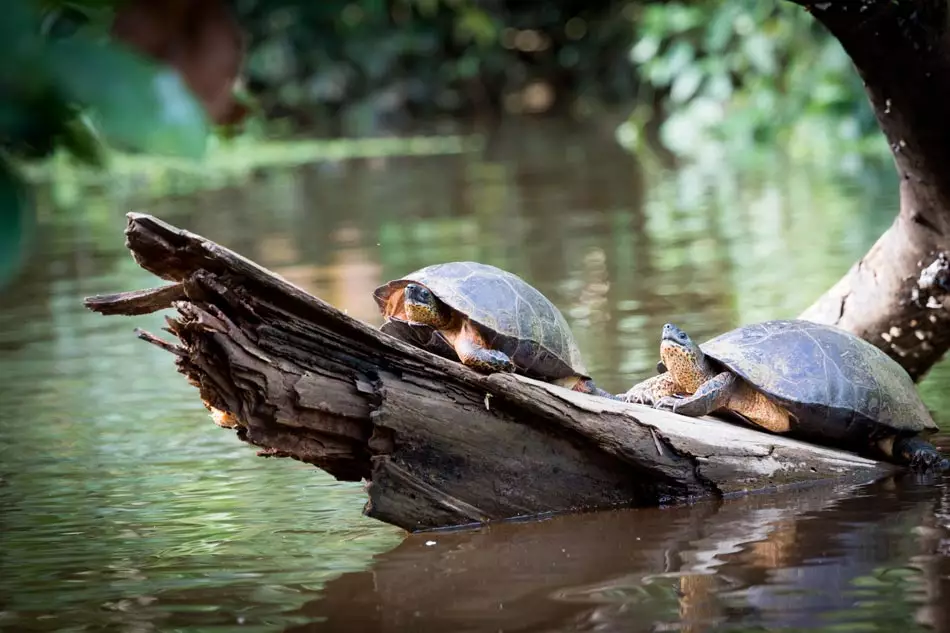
(123,508)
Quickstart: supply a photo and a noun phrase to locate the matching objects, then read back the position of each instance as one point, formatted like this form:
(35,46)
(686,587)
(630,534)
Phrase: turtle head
(681,356)
(424,308)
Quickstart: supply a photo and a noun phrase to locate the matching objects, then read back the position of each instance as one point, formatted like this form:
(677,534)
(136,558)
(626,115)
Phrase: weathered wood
(898,295)
(137,302)
(438,443)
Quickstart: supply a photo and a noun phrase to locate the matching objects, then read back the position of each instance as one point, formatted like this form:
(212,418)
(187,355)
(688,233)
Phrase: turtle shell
(839,387)
(513,316)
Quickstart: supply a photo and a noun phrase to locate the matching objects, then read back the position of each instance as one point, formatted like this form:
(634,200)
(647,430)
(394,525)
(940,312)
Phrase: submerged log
(438,444)
(898,295)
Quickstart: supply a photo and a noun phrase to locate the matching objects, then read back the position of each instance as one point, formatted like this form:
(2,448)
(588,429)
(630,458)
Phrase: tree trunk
(896,296)
(439,444)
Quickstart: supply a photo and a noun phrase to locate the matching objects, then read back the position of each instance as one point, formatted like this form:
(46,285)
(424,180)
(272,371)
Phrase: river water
(123,508)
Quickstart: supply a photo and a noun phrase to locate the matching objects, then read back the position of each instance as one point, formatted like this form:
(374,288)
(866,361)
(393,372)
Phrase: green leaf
(719,86)
(719,30)
(664,68)
(137,104)
(761,53)
(686,83)
(682,18)
(79,137)
(17,222)
(645,49)
(681,55)
(476,25)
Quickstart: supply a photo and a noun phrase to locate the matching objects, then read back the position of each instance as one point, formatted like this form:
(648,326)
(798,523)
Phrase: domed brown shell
(513,316)
(839,386)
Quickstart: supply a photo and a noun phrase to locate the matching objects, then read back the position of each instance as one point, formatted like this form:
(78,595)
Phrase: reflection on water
(123,508)
(864,556)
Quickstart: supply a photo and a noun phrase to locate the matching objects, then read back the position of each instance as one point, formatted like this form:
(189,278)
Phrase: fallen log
(438,444)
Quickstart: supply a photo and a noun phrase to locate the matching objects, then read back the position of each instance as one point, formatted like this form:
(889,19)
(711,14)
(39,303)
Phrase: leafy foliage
(745,73)
(16,222)
(80,85)
(66,87)
(375,61)
(741,73)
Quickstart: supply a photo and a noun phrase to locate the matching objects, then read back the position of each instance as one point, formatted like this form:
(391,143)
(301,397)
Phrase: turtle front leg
(472,352)
(916,452)
(713,394)
(651,390)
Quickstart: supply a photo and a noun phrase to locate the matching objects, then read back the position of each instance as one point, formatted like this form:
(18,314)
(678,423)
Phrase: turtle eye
(419,294)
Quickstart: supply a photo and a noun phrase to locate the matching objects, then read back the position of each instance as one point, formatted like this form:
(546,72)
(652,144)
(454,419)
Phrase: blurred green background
(691,79)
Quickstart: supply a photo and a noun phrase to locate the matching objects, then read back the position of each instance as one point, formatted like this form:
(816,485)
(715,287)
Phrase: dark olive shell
(839,386)
(513,316)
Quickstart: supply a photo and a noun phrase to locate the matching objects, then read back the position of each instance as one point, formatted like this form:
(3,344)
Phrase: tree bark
(897,296)
(439,444)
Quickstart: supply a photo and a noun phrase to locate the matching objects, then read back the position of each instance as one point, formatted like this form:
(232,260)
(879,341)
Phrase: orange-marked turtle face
(682,357)
(423,308)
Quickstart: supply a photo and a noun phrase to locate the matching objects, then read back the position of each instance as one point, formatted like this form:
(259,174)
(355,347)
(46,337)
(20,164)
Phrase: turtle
(799,377)
(487,318)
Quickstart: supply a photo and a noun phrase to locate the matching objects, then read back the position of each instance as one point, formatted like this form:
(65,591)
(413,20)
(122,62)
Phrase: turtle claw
(921,455)
(643,392)
(929,461)
(640,394)
(637,396)
(667,403)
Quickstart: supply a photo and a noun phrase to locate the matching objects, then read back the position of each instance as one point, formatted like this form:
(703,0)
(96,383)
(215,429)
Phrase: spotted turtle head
(424,308)
(681,356)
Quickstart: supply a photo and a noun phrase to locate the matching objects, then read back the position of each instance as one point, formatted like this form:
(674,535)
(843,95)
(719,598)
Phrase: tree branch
(896,296)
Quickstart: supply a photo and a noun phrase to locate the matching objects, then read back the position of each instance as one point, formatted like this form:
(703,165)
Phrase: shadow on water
(122,508)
